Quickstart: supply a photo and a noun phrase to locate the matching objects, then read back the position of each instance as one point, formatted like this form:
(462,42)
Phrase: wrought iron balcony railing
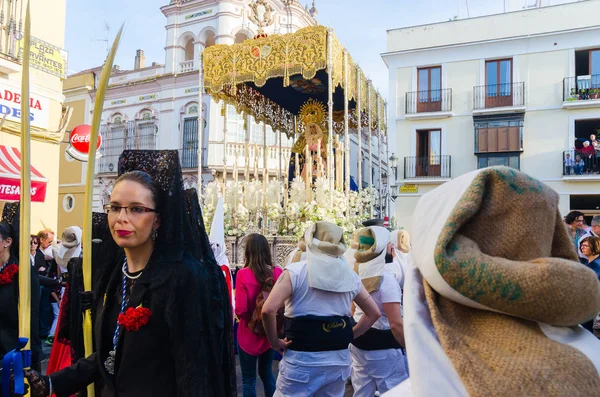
(427,167)
(498,95)
(581,162)
(429,101)
(581,88)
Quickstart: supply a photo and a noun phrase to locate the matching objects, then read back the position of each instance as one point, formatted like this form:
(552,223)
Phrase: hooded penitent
(494,305)
(400,240)
(370,255)
(327,268)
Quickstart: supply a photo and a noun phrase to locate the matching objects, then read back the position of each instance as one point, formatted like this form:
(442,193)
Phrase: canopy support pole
(370,141)
(379,154)
(359,126)
(200,124)
(330,87)
(346,132)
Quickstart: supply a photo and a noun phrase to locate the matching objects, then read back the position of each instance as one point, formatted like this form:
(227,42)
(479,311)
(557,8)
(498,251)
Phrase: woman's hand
(281,345)
(39,385)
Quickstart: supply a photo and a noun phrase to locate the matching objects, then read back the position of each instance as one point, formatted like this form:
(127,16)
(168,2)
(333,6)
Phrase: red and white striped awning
(10,177)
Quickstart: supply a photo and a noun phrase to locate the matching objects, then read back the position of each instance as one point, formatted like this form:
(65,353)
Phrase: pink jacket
(246,291)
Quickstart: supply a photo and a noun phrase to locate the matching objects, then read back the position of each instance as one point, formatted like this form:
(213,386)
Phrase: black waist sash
(377,339)
(319,333)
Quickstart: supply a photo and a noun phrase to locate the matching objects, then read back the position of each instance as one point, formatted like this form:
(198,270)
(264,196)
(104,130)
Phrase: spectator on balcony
(575,227)
(569,164)
(588,154)
(579,165)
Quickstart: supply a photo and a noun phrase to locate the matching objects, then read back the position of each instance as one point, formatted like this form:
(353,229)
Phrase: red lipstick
(123,233)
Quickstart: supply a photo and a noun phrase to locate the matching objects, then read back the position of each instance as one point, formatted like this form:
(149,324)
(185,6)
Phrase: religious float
(306,86)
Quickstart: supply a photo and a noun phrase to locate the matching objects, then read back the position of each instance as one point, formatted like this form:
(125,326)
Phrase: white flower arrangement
(241,216)
(253,195)
(298,192)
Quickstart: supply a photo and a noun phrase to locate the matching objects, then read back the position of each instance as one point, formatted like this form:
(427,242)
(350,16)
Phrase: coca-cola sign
(79,140)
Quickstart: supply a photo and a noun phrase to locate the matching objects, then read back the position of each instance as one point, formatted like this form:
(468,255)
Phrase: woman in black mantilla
(9,288)
(166,293)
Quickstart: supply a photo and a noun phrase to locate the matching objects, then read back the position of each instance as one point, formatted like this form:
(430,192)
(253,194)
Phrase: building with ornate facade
(519,89)
(48,65)
(156,106)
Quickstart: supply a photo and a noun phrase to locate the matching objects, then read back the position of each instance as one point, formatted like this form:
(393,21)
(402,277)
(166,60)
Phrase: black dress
(171,355)
(9,316)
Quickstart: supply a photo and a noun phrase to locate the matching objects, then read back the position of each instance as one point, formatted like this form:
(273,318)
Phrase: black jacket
(9,315)
(175,354)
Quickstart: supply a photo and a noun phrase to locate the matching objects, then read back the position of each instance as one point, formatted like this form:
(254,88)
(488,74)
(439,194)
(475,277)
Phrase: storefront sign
(10,105)
(147,97)
(198,14)
(79,142)
(409,189)
(47,57)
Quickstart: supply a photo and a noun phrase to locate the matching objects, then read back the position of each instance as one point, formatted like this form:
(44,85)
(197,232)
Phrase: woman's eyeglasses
(132,210)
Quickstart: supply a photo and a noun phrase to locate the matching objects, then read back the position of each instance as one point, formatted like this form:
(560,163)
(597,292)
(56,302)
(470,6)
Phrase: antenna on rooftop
(107,39)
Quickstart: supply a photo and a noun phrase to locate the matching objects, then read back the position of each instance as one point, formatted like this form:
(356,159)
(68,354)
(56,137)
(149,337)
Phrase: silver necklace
(124,269)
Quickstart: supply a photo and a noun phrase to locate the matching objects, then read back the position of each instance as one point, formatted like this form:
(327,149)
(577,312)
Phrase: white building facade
(520,89)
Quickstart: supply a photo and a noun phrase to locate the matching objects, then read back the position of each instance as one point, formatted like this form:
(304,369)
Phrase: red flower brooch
(8,274)
(134,319)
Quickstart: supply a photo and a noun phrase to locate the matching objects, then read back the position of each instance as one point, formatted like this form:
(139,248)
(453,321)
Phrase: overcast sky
(360,26)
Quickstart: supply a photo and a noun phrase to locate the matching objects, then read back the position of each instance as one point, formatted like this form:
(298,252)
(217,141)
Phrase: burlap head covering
(370,256)
(401,240)
(327,268)
(501,286)
(69,247)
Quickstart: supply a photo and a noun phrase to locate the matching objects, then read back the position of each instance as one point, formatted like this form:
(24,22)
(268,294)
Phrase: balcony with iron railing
(429,104)
(499,98)
(581,165)
(428,168)
(581,92)
(188,156)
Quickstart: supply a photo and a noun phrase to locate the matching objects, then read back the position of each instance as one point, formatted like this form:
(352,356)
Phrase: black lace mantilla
(210,364)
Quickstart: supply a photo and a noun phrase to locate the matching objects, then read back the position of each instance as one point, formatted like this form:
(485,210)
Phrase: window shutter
(492,139)
(514,139)
(503,139)
(482,139)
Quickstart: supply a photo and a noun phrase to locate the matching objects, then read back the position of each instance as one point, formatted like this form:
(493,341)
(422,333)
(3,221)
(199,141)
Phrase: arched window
(240,37)
(116,118)
(143,134)
(189,50)
(210,39)
(189,135)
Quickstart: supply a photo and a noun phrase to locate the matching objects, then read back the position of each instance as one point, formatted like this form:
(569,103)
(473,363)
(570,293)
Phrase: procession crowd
(479,301)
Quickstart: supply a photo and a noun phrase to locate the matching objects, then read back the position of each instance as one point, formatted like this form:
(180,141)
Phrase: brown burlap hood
(504,290)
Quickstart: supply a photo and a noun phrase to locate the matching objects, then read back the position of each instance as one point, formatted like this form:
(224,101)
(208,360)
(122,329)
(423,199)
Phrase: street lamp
(392,187)
(394,166)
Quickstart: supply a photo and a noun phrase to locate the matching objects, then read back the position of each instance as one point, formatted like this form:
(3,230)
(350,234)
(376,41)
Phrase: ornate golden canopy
(261,76)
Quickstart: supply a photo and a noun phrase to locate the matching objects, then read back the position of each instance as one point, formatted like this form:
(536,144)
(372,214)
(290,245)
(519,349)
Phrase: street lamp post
(393,189)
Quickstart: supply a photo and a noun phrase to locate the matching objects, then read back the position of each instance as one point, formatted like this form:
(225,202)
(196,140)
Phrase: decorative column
(330,112)
(370,140)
